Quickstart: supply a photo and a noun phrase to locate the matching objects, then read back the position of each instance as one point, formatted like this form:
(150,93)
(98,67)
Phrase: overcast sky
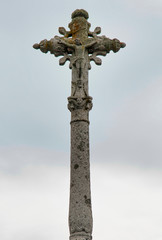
(125,129)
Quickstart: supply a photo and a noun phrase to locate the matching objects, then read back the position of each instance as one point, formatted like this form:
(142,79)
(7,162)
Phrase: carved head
(78,42)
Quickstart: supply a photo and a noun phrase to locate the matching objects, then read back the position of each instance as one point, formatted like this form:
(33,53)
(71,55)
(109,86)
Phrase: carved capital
(80,103)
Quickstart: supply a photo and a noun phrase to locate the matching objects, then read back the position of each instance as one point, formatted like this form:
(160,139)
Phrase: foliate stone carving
(78,42)
(63,31)
(95,32)
(103,46)
(80,103)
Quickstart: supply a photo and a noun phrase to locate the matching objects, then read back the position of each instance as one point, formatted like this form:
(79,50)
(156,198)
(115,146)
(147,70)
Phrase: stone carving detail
(74,43)
(80,103)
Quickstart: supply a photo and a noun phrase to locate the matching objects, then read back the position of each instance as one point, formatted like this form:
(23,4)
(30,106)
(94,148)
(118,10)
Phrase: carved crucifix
(80,47)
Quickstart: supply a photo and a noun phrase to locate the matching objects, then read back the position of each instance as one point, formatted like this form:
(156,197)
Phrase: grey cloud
(126,202)
(14,159)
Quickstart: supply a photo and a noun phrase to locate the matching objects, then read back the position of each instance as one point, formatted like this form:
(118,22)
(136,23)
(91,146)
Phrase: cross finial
(68,47)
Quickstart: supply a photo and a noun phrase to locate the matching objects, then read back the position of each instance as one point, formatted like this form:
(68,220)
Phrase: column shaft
(80,213)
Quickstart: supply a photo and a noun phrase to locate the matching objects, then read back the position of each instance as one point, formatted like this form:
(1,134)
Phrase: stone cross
(80,46)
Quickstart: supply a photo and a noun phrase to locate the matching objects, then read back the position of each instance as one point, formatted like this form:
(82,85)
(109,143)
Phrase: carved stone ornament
(74,43)
(80,103)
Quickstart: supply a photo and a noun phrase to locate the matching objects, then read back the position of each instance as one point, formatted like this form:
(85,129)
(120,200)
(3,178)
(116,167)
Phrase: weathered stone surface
(79,41)
(80,46)
(80,213)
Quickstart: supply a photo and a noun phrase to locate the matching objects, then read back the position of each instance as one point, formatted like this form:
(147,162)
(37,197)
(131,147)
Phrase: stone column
(80,212)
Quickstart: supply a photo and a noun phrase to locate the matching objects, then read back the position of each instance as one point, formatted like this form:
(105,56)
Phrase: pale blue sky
(34,87)
(125,129)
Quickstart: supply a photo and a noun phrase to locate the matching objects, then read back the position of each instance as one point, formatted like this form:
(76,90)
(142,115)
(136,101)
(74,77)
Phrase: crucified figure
(79,55)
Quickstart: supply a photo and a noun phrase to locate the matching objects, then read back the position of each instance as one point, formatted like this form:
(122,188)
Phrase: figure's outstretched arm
(67,44)
(91,43)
